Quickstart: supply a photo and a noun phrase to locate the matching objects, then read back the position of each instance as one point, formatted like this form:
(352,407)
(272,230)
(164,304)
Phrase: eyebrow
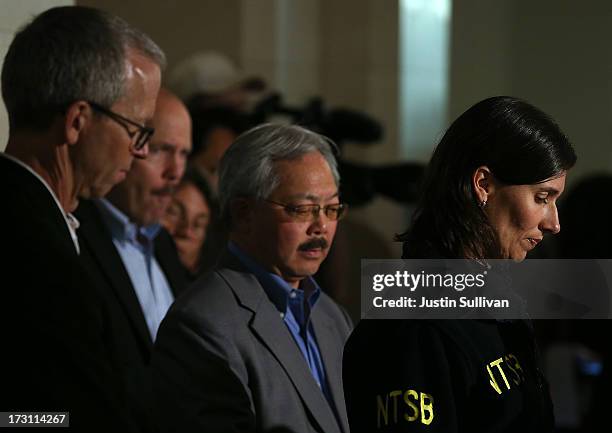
(549,190)
(166,145)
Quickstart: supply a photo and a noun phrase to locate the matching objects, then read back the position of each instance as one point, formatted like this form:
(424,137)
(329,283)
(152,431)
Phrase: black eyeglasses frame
(143,134)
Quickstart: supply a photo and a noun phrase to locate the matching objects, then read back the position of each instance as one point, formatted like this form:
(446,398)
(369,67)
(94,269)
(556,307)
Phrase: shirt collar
(120,225)
(278,290)
(71,221)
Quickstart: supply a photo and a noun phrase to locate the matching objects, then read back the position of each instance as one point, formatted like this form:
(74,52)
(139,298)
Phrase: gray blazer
(224,361)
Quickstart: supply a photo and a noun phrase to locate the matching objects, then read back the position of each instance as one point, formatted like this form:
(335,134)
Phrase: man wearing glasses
(79,86)
(132,257)
(256,345)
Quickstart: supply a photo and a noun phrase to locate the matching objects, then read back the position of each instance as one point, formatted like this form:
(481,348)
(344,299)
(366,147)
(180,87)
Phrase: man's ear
(78,116)
(241,211)
(483,184)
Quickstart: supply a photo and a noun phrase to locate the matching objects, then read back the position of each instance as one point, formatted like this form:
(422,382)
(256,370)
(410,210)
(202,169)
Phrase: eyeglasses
(139,137)
(309,212)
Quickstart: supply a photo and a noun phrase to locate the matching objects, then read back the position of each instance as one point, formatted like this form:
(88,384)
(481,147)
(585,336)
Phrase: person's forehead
(170,119)
(140,65)
(311,167)
(312,181)
(172,127)
(308,162)
(189,192)
(219,139)
(142,83)
(168,104)
(553,186)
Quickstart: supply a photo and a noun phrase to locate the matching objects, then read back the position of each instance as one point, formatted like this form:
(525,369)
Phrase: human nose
(183,227)
(319,222)
(551,222)
(175,167)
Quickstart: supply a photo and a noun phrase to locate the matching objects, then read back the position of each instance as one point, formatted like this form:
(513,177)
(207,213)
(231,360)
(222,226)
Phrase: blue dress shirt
(294,312)
(136,248)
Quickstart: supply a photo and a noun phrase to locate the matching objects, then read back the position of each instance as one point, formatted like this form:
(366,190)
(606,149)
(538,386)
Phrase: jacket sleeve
(197,387)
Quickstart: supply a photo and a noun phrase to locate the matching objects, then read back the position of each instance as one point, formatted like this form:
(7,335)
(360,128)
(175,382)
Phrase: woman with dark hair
(490,193)
(189,220)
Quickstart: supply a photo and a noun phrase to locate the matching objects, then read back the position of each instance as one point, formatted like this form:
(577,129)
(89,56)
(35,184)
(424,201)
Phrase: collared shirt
(293,311)
(136,248)
(71,222)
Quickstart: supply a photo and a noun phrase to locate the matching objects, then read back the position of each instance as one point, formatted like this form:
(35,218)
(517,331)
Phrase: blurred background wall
(556,54)
(355,54)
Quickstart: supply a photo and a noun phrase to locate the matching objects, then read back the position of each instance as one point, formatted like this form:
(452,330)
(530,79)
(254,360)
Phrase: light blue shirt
(294,312)
(136,248)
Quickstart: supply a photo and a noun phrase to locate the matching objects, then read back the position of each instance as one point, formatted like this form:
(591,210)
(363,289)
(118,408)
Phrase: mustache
(314,243)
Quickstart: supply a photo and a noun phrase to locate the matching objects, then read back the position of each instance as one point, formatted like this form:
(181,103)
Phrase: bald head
(170,107)
(146,192)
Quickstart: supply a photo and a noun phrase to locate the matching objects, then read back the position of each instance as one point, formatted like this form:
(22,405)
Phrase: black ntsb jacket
(445,376)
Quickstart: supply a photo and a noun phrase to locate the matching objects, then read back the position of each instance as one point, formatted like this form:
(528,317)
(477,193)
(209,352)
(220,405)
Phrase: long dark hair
(519,143)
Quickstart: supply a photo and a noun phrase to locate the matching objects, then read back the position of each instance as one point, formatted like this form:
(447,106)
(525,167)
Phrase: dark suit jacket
(128,337)
(224,361)
(51,329)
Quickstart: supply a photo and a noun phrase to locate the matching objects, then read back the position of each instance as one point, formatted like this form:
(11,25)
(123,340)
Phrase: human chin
(184,245)
(99,190)
(104,185)
(150,217)
(156,214)
(307,267)
(519,252)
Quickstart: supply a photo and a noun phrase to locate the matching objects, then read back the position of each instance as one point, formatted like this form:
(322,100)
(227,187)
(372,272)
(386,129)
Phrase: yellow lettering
(382,409)
(411,405)
(496,364)
(394,395)
(427,408)
(492,381)
(517,366)
(516,379)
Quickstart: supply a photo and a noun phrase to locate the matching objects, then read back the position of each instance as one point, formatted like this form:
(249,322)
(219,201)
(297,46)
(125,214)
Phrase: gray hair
(248,167)
(68,54)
